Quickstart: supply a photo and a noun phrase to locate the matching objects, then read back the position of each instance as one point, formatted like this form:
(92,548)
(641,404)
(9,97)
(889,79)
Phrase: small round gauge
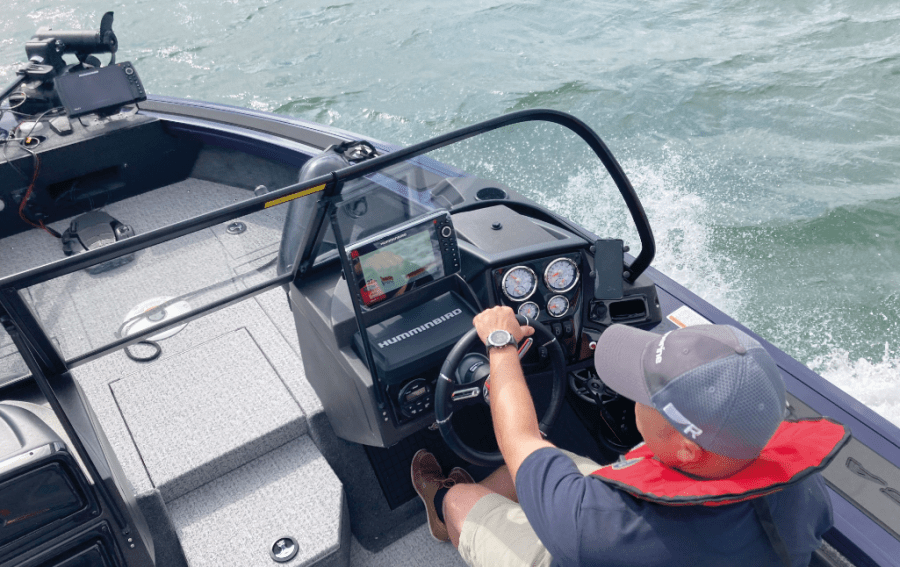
(561,274)
(519,283)
(529,310)
(557,306)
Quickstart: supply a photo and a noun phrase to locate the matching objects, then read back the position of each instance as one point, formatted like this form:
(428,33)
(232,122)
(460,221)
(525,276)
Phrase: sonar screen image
(390,270)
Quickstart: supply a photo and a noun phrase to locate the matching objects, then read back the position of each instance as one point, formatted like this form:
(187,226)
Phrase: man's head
(713,384)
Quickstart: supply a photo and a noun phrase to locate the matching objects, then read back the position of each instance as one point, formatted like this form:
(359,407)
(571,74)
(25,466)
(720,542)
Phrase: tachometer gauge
(519,283)
(561,274)
(529,310)
(557,306)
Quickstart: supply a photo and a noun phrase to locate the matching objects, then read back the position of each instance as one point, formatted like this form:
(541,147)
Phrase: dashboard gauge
(557,306)
(519,283)
(561,274)
(529,310)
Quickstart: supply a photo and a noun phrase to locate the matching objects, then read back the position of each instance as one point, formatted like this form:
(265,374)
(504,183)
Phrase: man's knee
(459,501)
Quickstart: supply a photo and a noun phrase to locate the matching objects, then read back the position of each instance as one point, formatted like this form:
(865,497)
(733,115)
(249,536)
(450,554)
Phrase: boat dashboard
(414,283)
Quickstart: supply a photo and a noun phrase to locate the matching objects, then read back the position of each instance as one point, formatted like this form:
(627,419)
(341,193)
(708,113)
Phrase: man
(719,480)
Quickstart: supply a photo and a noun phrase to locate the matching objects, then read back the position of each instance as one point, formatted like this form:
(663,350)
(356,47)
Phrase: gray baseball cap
(713,383)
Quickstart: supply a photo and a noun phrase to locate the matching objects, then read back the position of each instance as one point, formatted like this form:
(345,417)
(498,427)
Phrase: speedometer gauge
(561,274)
(519,283)
(557,306)
(529,310)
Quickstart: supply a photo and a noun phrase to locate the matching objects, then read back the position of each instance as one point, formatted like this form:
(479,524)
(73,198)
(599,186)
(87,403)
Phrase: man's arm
(512,409)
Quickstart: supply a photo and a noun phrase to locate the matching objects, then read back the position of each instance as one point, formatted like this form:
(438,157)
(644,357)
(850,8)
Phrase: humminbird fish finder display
(411,255)
(98,89)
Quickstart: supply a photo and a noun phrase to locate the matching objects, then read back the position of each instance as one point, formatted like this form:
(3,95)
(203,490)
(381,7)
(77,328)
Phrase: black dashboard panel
(497,240)
(559,309)
(542,293)
(499,229)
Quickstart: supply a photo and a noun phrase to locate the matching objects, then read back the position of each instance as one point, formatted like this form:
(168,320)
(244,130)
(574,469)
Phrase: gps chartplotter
(388,264)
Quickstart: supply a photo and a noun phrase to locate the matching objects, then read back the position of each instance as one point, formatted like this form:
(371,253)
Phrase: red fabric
(797,449)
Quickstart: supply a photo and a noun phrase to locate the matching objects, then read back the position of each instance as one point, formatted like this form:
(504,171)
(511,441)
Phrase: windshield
(393,195)
(439,178)
(88,312)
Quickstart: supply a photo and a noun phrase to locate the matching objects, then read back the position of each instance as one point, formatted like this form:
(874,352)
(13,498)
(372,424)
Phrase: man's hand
(500,318)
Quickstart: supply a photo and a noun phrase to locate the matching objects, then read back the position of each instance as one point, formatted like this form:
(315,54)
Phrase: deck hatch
(204,412)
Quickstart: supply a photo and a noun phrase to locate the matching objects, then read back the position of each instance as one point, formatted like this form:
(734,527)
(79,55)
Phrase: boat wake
(678,213)
(690,251)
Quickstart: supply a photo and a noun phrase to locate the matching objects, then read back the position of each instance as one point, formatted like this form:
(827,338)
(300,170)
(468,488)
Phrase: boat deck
(221,436)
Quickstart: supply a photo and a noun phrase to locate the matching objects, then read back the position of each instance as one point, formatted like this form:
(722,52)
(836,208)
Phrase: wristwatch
(500,338)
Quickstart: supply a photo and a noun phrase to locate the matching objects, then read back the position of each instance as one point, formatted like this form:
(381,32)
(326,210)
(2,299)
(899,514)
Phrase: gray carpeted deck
(416,549)
(246,417)
(290,491)
(213,435)
(85,311)
(11,363)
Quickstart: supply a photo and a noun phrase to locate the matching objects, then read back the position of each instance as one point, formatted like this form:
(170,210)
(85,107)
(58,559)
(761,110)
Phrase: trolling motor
(45,52)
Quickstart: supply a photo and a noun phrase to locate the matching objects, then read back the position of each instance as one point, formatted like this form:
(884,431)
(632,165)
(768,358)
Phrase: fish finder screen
(387,267)
(96,89)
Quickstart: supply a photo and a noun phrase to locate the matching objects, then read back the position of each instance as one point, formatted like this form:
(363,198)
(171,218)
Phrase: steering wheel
(462,382)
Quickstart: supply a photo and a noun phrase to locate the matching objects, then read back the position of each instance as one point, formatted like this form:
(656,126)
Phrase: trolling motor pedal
(94,230)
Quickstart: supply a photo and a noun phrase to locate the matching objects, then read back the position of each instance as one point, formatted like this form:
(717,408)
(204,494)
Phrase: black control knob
(598,311)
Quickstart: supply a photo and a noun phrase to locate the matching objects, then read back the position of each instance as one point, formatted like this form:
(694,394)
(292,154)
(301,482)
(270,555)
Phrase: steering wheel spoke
(465,395)
(589,387)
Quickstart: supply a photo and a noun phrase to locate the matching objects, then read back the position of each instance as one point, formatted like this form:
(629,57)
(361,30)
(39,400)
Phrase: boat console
(395,292)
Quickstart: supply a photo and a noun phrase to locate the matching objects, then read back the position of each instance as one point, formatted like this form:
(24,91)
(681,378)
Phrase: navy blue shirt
(583,521)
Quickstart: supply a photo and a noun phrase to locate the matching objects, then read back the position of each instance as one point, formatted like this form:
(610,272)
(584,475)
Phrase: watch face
(499,338)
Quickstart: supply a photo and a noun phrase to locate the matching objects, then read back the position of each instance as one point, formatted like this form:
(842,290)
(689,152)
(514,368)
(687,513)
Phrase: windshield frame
(327,189)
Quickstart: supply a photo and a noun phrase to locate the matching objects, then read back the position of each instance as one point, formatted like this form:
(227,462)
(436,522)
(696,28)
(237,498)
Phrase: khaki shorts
(496,533)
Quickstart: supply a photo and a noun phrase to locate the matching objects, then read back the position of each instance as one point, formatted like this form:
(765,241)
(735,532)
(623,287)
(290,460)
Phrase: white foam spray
(678,214)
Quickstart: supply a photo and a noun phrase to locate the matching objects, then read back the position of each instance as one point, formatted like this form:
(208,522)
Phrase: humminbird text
(420,328)
(384,243)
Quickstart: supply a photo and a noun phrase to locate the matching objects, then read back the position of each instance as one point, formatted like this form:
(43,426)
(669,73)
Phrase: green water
(761,135)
